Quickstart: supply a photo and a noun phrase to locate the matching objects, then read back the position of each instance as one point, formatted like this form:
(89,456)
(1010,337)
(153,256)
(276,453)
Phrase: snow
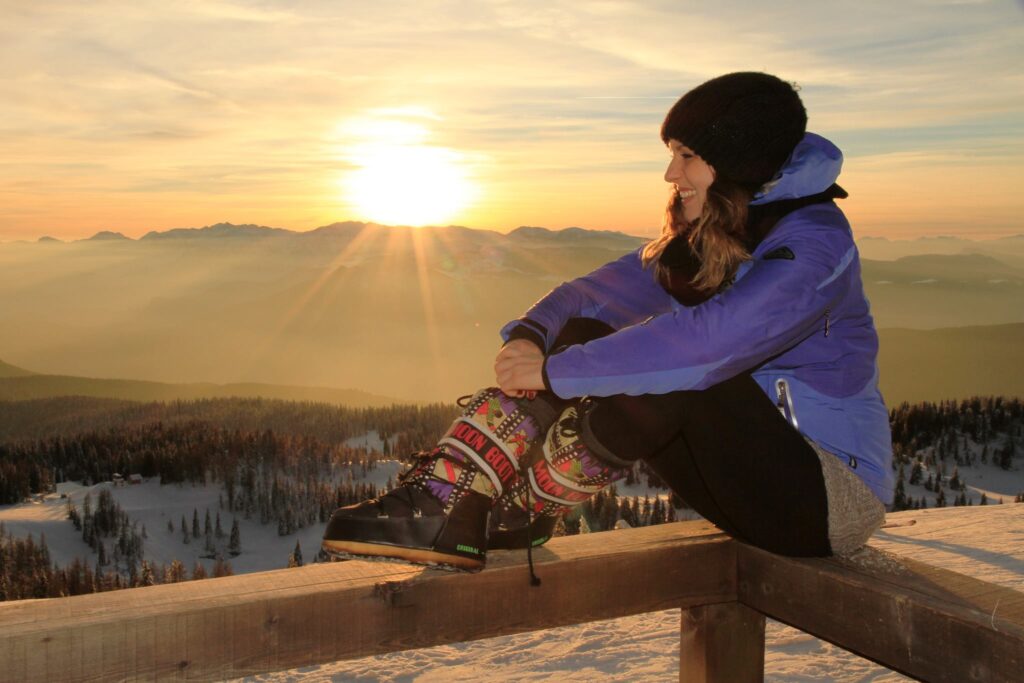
(988,478)
(152,505)
(986,542)
(371,440)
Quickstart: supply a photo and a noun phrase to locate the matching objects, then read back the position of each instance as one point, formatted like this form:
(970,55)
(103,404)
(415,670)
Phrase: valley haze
(412,314)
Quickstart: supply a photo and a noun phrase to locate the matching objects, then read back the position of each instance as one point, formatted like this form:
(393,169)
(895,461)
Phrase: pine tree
(72,512)
(295,560)
(195,523)
(657,512)
(146,577)
(219,531)
(175,572)
(235,543)
(222,568)
(1006,453)
(954,481)
(559,529)
(185,536)
(900,498)
(940,500)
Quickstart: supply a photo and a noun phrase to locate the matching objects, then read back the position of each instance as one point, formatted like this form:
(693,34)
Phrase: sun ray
(423,276)
(273,335)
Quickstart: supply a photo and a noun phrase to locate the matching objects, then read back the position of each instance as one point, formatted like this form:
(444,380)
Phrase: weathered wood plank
(276,620)
(923,621)
(721,643)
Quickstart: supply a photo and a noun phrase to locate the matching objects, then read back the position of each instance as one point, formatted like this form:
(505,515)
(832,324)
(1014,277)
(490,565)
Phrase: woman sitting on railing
(735,354)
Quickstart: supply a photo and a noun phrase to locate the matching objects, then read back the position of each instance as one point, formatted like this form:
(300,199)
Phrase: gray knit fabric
(854,513)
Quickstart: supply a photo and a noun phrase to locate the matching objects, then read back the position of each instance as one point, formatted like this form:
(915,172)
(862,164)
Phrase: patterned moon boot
(570,467)
(438,514)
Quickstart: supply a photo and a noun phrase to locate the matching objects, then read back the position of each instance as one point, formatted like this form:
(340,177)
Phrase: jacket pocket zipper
(785,402)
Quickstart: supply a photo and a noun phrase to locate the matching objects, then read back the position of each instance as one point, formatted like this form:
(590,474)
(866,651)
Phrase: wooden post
(721,643)
(926,622)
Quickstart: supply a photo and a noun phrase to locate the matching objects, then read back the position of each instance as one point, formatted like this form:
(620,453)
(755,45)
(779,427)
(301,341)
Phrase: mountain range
(395,311)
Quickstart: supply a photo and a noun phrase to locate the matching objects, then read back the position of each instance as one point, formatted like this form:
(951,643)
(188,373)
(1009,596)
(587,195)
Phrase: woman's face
(691,176)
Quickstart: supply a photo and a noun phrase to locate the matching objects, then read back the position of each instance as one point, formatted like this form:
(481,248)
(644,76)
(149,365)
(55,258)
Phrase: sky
(139,116)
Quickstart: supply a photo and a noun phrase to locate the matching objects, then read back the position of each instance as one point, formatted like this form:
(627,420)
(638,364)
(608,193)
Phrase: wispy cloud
(557,103)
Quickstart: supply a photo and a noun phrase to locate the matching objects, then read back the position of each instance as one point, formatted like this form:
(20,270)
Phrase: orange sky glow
(133,117)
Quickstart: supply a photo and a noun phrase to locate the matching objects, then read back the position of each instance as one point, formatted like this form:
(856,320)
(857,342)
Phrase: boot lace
(569,426)
(417,459)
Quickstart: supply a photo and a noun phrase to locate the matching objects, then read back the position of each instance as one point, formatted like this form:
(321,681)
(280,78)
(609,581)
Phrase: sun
(398,179)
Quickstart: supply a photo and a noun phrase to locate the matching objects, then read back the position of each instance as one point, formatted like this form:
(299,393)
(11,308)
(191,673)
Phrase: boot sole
(357,550)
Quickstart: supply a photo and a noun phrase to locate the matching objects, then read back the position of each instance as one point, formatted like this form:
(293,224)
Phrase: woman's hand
(518,367)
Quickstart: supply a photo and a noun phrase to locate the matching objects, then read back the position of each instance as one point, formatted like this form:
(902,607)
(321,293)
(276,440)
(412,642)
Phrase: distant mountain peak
(574,235)
(106,236)
(218,230)
(45,239)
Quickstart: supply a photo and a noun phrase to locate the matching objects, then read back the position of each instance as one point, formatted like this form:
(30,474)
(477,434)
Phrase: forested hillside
(288,465)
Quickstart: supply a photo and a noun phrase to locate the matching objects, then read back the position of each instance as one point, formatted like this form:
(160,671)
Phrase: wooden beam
(255,623)
(929,623)
(721,643)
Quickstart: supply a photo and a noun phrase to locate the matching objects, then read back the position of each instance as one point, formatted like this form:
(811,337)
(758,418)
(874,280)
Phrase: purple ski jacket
(796,318)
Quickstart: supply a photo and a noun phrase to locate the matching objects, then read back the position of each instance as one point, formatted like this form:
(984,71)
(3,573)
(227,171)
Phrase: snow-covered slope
(986,542)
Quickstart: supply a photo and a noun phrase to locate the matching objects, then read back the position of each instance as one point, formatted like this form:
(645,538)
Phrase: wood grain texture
(283,619)
(926,622)
(929,623)
(723,642)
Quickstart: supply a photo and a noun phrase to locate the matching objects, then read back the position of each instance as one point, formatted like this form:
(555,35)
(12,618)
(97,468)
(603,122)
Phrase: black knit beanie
(744,124)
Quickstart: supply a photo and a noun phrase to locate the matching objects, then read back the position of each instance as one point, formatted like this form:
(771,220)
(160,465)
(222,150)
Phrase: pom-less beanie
(744,124)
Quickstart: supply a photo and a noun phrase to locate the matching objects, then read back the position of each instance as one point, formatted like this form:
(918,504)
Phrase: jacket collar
(811,169)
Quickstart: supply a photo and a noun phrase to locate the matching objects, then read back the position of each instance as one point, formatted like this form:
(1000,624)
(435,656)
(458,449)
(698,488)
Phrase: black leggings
(726,450)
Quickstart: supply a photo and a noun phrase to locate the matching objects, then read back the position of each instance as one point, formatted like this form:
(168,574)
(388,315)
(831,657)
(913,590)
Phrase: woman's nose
(672,172)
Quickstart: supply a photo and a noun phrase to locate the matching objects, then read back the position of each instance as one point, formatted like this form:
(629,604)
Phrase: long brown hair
(718,236)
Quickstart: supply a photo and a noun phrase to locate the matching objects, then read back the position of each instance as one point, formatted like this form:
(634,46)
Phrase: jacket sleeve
(775,305)
(619,293)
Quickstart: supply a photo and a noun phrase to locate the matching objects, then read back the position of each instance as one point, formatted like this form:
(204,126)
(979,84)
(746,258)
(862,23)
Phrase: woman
(735,354)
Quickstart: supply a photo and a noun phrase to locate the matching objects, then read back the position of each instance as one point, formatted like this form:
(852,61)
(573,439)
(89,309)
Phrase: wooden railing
(923,621)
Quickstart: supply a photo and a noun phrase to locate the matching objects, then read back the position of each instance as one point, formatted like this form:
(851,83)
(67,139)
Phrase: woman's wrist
(526,333)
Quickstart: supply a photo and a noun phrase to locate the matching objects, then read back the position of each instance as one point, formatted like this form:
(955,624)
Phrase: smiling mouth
(685,195)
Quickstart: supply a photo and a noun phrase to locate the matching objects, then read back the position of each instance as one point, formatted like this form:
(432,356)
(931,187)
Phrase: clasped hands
(518,368)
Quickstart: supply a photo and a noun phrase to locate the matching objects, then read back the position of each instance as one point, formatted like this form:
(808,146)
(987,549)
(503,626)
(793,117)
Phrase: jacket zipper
(785,402)
(828,323)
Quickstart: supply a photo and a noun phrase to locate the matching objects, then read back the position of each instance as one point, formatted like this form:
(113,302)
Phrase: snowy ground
(985,542)
(153,505)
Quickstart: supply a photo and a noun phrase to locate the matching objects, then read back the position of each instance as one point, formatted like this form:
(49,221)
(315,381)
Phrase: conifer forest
(286,464)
